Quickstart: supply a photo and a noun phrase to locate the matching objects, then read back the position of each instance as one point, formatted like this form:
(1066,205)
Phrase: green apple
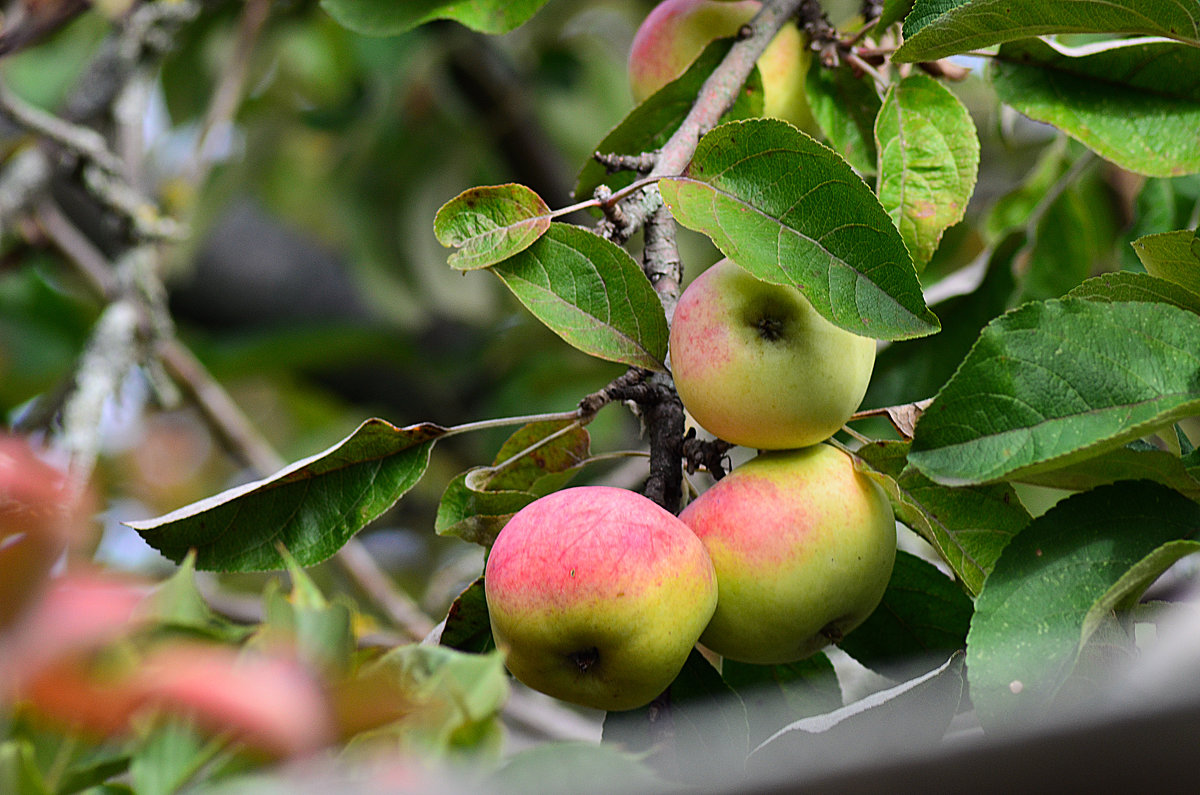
(756,365)
(803,545)
(677,31)
(597,595)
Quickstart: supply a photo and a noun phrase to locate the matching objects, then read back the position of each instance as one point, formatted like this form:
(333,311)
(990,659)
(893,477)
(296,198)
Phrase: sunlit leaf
(1090,554)
(1136,104)
(591,293)
(312,507)
(791,211)
(490,224)
(928,161)
(388,17)
(1056,382)
(937,28)
(1173,256)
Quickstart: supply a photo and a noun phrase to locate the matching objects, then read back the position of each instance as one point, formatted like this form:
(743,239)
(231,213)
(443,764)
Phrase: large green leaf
(652,123)
(968,526)
(791,211)
(1131,286)
(845,105)
(1055,382)
(928,161)
(311,508)
(1134,461)
(1136,104)
(937,28)
(1173,256)
(1090,554)
(591,293)
(776,695)
(910,717)
(923,615)
(389,17)
(490,224)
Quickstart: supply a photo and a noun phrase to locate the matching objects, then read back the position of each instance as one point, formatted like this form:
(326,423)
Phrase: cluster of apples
(598,595)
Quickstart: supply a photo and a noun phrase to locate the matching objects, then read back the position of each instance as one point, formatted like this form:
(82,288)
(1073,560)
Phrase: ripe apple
(676,31)
(756,365)
(597,595)
(803,546)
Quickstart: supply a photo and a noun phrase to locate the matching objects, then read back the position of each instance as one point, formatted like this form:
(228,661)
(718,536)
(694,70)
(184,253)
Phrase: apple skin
(677,31)
(597,596)
(756,365)
(803,546)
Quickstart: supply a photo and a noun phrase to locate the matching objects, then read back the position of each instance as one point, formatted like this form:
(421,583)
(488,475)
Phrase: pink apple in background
(677,31)
(597,595)
(803,546)
(756,365)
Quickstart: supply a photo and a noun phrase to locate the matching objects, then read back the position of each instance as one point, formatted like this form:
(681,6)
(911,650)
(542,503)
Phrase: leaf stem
(508,422)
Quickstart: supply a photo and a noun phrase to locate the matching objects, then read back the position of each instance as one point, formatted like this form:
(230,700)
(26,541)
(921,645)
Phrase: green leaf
(845,106)
(923,614)
(912,715)
(707,720)
(937,28)
(1073,237)
(312,507)
(171,753)
(321,633)
(591,293)
(532,455)
(911,371)
(776,695)
(91,774)
(490,224)
(1130,462)
(467,626)
(19,774)
(791,211)
(892,12)
(1129,286)
(575,767)
(1136,104)
(653,122)
(968,526)
(451,699)
(1092,553)
(928,161)
(1173,256)
(537,459)
(1056,382)
(388,17)
(476,515)
(177,602)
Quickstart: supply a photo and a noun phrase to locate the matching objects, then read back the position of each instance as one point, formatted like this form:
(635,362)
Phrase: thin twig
(231,86)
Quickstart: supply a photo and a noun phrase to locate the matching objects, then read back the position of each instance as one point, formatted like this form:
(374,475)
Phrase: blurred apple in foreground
(677,31)
(803,546)
(756,365)
(597,595)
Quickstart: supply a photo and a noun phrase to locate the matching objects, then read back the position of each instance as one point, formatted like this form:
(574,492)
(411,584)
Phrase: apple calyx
(584,660)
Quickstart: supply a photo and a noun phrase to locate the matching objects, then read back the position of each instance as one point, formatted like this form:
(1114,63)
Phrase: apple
(803,546)
(677,31)
(756,365)
(597,595)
